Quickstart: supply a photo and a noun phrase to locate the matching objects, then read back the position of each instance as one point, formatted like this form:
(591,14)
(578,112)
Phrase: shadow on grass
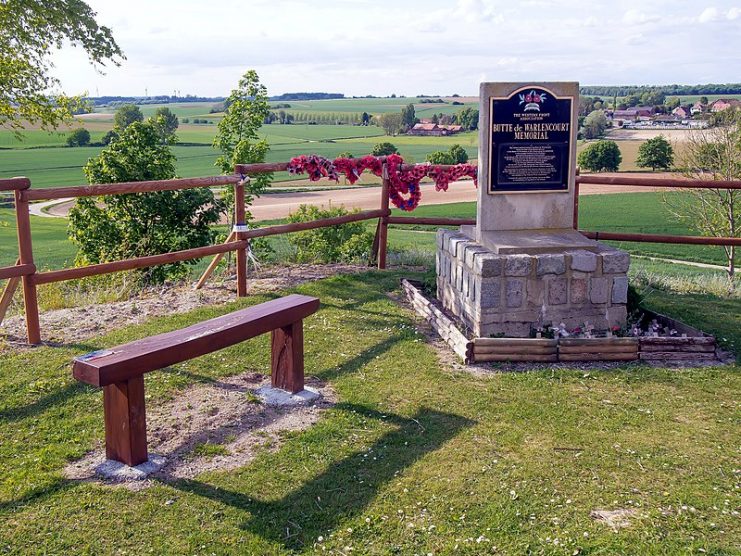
(347,486)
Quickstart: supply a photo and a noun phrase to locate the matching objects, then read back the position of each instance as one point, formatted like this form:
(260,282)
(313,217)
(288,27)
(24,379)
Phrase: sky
(380,47)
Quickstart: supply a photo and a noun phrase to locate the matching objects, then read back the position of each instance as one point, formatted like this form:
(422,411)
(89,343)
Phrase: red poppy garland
(404,190)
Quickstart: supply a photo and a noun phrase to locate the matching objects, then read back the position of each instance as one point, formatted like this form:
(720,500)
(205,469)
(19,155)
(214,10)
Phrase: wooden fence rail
(25,269)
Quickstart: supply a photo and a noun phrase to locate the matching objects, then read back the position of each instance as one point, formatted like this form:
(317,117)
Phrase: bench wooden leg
(125,421)
(288,357)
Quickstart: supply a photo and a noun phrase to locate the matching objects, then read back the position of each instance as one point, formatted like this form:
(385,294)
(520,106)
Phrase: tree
(109,137)
(384,149)
(469,118)
(408,118)
(237,138)
(29,32)
(166,123)
(712,154)
(601,156)
(672,103)
(655,153)
(365,118)
(78,138)
(391,123)
(459,154)
(134,225)
(127,115)
(704,100)
(594,124)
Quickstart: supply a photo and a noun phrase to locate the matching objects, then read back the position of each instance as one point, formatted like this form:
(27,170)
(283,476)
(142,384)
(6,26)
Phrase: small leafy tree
(134,225)
(29,33)
(78,138)
(166,122)
(458,154)
(391,123)
(602,156)
(469,118)
(594,124)
(127,115)
(237,138)
(345,243)
(408,117)
(655,153)
(713,154)
(384,149)
(109,136)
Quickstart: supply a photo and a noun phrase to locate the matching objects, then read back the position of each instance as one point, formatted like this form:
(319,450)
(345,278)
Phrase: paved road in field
(280,205)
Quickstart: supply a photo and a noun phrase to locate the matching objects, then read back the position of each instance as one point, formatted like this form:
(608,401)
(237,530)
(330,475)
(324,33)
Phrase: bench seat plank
(126,361)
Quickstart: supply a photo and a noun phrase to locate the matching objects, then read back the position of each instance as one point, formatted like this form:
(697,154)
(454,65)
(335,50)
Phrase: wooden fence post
(383,222)
(240,229)
(25,251)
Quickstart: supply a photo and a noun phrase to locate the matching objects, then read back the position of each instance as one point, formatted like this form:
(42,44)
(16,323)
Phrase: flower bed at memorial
(652,337)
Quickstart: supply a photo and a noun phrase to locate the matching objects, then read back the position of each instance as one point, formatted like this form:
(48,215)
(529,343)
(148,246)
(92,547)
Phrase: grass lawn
(415,458)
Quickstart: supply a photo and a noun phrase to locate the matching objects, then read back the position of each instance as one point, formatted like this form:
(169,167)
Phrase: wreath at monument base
(404,190)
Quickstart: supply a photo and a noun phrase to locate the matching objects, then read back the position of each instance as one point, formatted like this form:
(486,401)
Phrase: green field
(687,99)
(624,212)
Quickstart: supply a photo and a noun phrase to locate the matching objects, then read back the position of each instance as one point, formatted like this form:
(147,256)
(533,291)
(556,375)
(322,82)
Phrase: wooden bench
(120,370)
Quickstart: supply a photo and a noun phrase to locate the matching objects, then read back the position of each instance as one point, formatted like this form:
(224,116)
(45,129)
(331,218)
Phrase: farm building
(434,130)
(633,114)
(724,103)
(682,111)
(698,108)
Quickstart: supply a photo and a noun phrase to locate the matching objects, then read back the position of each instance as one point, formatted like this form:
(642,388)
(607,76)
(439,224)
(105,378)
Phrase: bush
(440,157)
(458,154)
(384,149)
(78,138)
(110,136)
(345,243)
(601,156)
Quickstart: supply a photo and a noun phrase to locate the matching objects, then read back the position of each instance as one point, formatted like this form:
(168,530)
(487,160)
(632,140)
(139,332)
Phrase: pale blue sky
(381,46)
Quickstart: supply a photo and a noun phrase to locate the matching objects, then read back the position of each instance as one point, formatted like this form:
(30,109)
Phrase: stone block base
(513,292)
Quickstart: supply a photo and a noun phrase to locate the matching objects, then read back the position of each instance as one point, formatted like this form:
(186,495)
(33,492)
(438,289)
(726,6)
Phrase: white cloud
(417,46)
(708,15)
(637,17)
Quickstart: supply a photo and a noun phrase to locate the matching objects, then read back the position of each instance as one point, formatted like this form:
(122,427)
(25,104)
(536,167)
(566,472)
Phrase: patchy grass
(414,458)
(209,450)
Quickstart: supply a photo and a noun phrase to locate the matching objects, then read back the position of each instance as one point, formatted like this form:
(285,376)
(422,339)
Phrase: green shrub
(78,138)
(344,243)
(440,157)
(384,149)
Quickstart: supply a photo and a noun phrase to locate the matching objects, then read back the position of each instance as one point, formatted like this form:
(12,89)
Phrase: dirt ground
(76,324)
(672,135)
(214,427)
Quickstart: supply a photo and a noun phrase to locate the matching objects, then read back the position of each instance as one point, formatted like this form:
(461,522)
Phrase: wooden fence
(26,272)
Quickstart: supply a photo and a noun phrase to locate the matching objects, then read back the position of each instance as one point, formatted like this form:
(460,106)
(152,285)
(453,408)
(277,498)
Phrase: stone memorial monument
(523,265)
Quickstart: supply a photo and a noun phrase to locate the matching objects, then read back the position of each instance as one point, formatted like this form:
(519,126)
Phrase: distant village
(683,116)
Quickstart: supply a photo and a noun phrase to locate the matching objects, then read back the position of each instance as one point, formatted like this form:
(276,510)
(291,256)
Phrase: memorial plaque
(530,147)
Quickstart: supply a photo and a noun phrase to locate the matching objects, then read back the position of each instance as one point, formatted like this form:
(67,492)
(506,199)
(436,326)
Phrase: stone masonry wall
(508,294)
